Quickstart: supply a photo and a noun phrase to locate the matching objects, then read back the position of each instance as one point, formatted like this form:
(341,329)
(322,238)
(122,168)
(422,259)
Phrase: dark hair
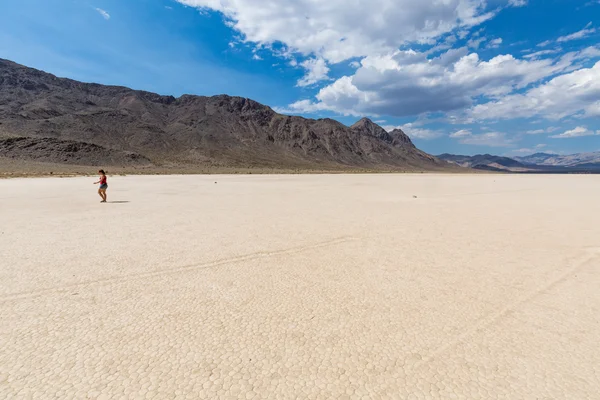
(102,172)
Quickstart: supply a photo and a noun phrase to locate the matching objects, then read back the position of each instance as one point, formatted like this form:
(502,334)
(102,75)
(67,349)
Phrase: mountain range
(48,119)
(539,162)
(579,160)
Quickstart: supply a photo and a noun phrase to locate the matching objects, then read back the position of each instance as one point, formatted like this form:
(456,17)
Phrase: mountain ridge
(538,162)
(481,161)
(561,160)
(189,130)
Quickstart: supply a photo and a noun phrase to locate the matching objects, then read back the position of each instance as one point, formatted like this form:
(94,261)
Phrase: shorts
(103,187)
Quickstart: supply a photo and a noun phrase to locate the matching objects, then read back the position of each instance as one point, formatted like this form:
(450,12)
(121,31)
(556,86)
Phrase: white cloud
(407,83)
(585,32)
(316,70)
(549,129)
(495,43)
(368,35)
(523,151)
(463,33)
(307,107)
(415,132)
(540,146)
(461,133)
(541,53)
(577,35)
(565,95)
(491,139)
(475,43)
(593,109)
(104,14)
(517,3)
(577,132)
(336,30)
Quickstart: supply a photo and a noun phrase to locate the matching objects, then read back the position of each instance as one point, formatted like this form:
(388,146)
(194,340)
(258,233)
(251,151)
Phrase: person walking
(103,185)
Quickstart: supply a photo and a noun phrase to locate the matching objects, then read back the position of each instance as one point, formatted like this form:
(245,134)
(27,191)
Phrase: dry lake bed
(301,287)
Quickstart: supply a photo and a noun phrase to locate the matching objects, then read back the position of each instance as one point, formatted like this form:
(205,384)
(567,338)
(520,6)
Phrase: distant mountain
(571,160)
(50,119)
(539,162)
(534,159)
(484,161)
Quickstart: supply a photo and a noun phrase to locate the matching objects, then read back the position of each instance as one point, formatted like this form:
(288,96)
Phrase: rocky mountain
(484,162)
(396,138)
(52,150)
(67,121)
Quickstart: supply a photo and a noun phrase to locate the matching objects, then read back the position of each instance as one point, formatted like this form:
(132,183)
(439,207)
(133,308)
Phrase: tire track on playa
(123,278)
(490,319)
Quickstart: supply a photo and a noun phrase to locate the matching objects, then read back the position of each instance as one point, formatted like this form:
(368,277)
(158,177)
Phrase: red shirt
(103,180)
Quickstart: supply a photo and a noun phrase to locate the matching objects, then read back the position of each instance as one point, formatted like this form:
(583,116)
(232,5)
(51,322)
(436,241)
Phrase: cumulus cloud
(567,94)
(316,70)
(334,31)
(375,36)
(337,31)
(491,139)
(414,131)
(576,132)
(104,14)
(307,107)
(407,83)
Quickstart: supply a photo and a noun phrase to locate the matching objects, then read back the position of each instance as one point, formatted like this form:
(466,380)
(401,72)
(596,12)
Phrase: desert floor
(320,286)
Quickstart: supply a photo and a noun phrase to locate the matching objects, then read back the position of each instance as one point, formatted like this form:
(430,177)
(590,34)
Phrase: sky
(508,77)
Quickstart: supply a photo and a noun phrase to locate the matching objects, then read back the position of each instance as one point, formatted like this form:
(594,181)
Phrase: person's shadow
(118,202)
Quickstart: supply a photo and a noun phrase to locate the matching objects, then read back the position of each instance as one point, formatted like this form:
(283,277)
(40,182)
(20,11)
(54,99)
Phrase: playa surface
(308,287)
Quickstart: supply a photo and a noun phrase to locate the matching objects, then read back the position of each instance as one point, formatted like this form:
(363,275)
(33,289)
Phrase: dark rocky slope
(190,130)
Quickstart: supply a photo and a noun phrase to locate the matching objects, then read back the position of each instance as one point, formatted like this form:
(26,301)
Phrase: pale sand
(301,287)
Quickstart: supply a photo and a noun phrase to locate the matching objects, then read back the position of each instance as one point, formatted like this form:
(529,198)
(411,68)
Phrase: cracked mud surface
(308,287)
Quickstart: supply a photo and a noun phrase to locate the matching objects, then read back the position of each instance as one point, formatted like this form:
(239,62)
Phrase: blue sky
(467,76)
